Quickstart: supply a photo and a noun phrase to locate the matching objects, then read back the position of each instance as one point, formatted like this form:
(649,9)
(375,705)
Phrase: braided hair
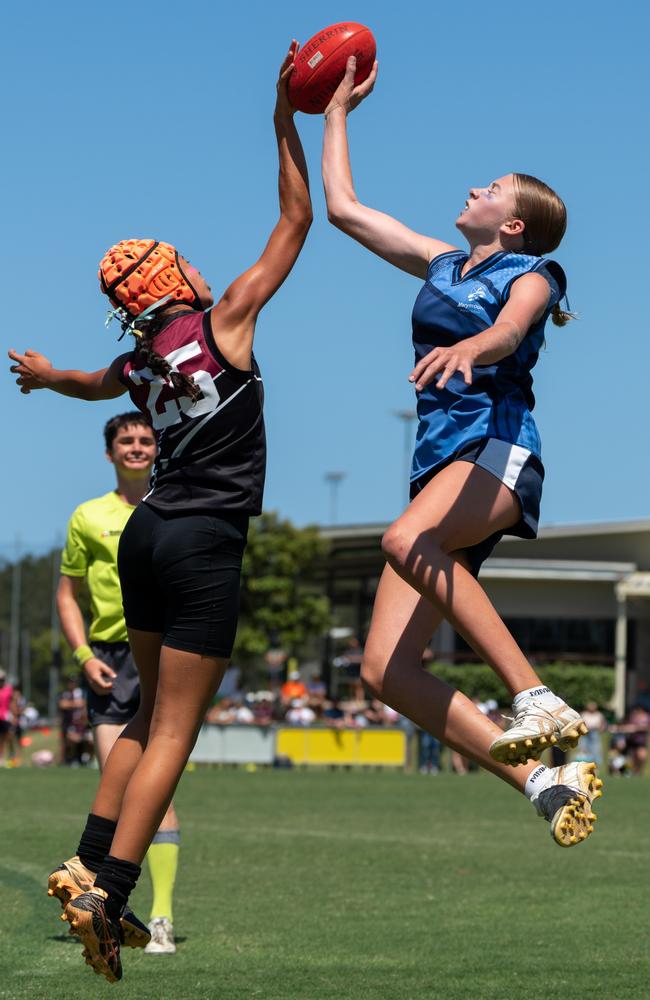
(144,331)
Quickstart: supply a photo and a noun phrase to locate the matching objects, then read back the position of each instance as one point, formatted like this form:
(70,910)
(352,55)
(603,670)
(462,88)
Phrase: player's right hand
(99,676)
(346,95)
(32,368)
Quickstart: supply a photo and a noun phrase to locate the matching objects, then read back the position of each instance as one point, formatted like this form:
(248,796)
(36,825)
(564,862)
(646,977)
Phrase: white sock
(537,781)
(542,695)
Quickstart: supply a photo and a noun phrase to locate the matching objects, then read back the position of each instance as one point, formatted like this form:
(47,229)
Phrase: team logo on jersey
(474,303)
(109,534)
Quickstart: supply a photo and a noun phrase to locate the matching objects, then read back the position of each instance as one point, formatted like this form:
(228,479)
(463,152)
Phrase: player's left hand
(447,360)
(32,368)
(282,105)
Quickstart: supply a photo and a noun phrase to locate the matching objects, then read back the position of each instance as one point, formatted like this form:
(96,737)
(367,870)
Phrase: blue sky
(119,129)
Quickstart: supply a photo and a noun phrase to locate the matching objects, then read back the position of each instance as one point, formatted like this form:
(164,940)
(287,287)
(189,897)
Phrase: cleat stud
(543,741)
(582,835)
(513,746)
(552,739)
(590,829)
(528,743)
(573,839)
(592,817)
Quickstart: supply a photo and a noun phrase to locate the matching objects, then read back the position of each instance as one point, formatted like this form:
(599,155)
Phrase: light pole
(14,628)
(408,417)
(334,479)
(55,636)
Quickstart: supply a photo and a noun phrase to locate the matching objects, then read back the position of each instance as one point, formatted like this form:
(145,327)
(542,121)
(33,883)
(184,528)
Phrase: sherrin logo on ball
(320,64)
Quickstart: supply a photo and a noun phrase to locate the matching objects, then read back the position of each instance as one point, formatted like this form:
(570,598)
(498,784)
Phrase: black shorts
(519,469)
(119,705)
(180,577)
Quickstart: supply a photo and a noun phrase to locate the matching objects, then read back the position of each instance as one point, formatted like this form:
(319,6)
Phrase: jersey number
(168,413)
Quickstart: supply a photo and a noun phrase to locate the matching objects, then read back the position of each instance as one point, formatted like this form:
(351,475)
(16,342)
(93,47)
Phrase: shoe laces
(159,931)
(524,713)
(517,718)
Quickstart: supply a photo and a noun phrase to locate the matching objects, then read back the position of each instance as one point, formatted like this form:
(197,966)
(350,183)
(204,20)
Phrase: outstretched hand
(346,95)
(443,362)
(32,369)
(282,104)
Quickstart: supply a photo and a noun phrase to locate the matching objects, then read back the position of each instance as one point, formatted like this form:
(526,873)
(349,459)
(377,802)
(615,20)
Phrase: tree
(38,577)
(282,603)
(281,600)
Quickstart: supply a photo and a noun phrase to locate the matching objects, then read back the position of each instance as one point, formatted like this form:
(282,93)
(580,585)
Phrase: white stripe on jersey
(181,446)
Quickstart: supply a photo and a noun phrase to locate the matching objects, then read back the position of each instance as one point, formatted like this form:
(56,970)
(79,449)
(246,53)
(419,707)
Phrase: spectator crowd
(303,700)
(297,702)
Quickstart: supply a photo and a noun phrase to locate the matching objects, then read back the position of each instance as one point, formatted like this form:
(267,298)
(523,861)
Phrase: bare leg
(127,750)
(105,739)
(105,736)
(461,506)
(402,625)
(186,685)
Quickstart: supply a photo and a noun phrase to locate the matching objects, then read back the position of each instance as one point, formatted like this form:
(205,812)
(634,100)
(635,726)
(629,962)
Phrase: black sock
(117,878)
(96,841)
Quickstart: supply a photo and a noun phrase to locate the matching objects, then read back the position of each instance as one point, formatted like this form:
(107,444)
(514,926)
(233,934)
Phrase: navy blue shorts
(180,577)
(518,468)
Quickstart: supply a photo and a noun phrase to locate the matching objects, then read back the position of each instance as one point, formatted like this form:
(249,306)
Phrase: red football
(320,64)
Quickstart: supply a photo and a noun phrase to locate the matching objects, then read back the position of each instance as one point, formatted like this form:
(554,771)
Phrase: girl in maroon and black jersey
(193,370)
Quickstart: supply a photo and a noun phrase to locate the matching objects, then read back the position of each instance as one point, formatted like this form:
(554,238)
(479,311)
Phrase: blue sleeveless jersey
(499,402)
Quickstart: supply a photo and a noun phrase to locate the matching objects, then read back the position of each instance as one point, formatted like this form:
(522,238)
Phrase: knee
(139,725)
(402,546)
(396,544)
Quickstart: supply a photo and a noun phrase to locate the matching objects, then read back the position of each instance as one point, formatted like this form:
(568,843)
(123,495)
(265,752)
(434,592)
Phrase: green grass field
(346,885)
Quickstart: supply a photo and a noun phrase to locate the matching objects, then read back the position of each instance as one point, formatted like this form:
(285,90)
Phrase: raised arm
(385,236)
(36,372)
(234,316)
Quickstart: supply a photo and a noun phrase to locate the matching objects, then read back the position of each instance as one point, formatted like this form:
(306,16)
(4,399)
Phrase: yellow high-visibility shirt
(91,550)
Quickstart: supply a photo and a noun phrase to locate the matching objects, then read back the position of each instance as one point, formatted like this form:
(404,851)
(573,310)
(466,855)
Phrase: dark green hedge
(577,683)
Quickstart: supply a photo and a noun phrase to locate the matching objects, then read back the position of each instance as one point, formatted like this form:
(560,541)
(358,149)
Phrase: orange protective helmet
(137,273)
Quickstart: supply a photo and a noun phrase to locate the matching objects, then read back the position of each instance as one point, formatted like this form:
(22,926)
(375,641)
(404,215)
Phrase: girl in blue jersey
(478,324)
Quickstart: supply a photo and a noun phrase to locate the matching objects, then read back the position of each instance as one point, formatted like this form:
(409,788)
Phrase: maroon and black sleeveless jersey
(211,453)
